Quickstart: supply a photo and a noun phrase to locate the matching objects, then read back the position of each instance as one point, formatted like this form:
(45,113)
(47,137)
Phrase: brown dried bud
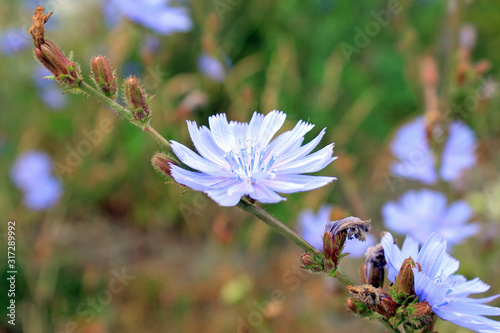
(161,162)
(137,99)
(104,77)
(366,294)
(373,269)
(405,281)
(52,58)
(353,226)
(374,298)
(37,29)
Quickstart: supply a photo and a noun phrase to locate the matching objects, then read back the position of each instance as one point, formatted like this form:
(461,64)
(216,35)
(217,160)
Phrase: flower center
(249,163)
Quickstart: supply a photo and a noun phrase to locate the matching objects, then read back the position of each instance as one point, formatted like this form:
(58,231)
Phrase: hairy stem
(290,234)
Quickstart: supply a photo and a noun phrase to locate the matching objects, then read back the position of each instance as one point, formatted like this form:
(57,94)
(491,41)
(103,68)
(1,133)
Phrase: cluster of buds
(104,77)
(398,304)
(137,100)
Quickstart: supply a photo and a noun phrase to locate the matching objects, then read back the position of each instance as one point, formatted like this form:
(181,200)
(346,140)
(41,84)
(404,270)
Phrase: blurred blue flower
(157,15)
(418,162)
(43,194)
(14,40)
(419,213)
(437,284)
(211,67)
(32,173)
(240,159)
(29,167)
(458,152)
(311,227)
(49,90)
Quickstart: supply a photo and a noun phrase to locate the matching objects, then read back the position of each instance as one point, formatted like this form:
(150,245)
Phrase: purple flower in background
(417,161)
(211,67)
(437,284)
(459,151)
(311,227)
(240,159)
(419,213)
(14,40)
(32,173)
(49,90)
(157,15)
(43,194)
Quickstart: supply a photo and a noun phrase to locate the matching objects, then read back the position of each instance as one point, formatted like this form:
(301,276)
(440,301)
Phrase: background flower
(157,15)
(436,283)
(417,161)
(240,159)
(311,227)
(211,67)
(32,173)
(419,213)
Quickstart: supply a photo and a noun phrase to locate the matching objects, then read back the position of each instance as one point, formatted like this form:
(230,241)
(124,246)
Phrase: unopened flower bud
(419,310)
(405,281)
(161,162)
(373,269)
(137,99)
(307,262)
(387,306)
(104,77)
(58,64)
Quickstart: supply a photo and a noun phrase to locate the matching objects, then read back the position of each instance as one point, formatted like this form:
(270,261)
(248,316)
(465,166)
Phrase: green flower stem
(389,326)
(122,111)
(290,234)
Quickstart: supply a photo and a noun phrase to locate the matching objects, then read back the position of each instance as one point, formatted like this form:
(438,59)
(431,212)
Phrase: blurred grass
(183,249)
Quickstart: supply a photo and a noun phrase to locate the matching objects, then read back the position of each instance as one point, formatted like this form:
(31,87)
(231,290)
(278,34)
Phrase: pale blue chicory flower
(437,284)
(240,159)
(417,161)
(419,213)
(211,67)
(32,173)
(157,15)
(311,227)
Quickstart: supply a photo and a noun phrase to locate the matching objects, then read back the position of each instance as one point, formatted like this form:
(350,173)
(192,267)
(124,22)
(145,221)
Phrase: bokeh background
(186,264)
